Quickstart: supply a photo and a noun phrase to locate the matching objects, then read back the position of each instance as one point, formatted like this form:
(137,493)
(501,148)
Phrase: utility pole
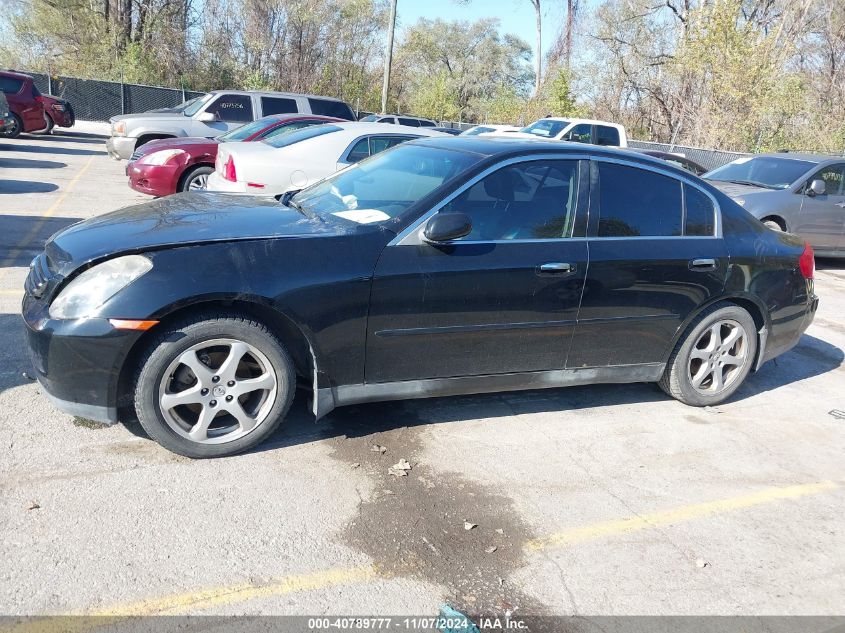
(388,56)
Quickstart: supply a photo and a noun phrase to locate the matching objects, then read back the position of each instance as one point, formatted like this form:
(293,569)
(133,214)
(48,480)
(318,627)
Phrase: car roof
(276,94)
(15,75)
(577,120)
(813,158)
(370,127)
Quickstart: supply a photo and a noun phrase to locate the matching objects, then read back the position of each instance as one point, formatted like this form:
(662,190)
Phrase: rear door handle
(704,263)
(555,268)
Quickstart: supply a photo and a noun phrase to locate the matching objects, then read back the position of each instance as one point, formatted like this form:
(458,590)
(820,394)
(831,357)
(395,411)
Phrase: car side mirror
(445,227)
(816,188)
(208,117)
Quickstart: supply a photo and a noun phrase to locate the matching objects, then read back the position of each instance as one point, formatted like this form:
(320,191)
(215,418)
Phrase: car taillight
(807,262)
(229,172)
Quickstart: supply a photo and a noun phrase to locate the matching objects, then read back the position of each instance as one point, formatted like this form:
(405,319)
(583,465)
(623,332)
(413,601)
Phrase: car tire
(16,129)
(213,384)
(713,358)
(774,225)
(196,178)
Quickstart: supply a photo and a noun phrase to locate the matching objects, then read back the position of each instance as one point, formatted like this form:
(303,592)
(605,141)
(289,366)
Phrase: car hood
(176,220)
(150,115)
(192,144)
(734,190)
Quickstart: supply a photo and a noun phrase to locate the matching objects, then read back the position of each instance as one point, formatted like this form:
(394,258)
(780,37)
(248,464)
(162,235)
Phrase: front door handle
(555,268)
(704,263)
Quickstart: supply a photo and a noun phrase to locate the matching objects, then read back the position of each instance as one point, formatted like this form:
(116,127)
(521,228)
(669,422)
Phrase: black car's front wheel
(713,358)
(213,385)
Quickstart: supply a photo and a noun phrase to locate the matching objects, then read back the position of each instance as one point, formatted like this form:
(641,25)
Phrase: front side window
(191,107)
(770,172)
(232,108)
(525,201)
(478,130)
(832,176)
(607,136)
(581,133)
(545,128)
(329,107)
(278,105)
(10,85)
(638,203)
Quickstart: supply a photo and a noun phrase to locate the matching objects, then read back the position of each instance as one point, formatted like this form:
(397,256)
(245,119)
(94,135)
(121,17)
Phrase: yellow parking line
(196,601)
(15,253)
(677,515)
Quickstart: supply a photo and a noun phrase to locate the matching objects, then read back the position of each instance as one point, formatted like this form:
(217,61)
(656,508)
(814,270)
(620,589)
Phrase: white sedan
(296,160)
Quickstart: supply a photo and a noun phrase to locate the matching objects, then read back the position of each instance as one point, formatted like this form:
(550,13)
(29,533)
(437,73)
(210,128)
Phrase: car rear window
(300,135)
(10,85)
(278,105)
(329,107)
(638,203)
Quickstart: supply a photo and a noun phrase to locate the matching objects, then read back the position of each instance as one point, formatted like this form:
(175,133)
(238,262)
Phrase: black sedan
(443,266)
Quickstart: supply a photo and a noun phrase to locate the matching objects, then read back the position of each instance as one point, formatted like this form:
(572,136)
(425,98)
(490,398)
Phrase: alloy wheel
(217,391)
(718,357)
(198,183)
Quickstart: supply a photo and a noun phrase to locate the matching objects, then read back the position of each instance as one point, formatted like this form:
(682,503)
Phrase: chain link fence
(96,100)
(707,158)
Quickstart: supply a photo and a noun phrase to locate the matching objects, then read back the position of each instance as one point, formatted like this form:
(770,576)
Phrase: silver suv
(799,193)
(213,114)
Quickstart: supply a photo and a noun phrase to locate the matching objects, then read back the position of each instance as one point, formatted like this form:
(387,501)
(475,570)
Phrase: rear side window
(232,108)
(638,203)
(328,107)
(10,85)
(701,215)
(407,121)
(381,143)
(607,135)
(278,105)
(359,151)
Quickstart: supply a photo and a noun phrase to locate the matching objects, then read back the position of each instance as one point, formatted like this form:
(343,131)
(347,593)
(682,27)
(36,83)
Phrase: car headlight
(59,107)
(82,296)
(118,128)
(160,157)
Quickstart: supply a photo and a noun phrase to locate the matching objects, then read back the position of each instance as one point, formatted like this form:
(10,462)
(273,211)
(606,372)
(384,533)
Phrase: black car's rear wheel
(214,385)
(713,358)
(14,130)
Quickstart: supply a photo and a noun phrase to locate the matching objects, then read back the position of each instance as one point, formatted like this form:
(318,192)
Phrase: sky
(515,16)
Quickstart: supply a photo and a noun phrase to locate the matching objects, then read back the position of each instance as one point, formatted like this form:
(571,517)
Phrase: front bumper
(78,361)
(154,180)
(121,147)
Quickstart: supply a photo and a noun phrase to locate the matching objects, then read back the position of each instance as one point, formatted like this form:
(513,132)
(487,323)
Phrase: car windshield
(192,106)
(480,129)
(546,128)
(384,186)
(301,134)
(245,131)
(770,172)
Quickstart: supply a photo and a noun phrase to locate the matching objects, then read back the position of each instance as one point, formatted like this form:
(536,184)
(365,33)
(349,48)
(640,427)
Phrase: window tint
(637,202)
(701,215)
(328,107)
(581,133)
(232,108)
(406,121)
(278,105)
(424,123)
(359,151)
(10,85)
(287,129)
(832,176)
(530,200)
(607,135)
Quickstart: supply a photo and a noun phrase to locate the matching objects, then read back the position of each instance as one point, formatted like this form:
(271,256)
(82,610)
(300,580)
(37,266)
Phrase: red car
(57,112)
(170,165)
(22,95)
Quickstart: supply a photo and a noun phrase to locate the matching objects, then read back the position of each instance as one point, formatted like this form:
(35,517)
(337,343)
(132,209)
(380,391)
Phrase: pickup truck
(213,114)
(575,130)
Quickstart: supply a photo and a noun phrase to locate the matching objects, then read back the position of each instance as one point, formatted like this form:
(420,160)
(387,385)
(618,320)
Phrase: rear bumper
(62,119)
(77,362)
(216,182)
(154,180)
(788,328)
(120,147)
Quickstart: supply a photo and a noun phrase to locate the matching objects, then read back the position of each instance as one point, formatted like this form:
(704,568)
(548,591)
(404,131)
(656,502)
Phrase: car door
(655,256)
(231,111)
(502,299)
(822,216)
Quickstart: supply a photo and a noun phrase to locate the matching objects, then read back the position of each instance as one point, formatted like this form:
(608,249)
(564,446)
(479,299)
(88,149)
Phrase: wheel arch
(188,168)
(296,341)
(779,219)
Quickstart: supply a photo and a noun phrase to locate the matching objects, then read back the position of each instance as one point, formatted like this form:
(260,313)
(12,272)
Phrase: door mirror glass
(816,188)
(207,117)
(444,227)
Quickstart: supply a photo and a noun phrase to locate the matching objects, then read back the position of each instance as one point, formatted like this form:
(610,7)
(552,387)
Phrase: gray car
(799,193)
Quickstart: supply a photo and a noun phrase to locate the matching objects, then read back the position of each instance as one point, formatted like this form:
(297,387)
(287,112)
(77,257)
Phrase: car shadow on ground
(14,360)
(60,136)
(26,163)
(43,149)
(810,358)
(8,186)
(22,237)
(829,263)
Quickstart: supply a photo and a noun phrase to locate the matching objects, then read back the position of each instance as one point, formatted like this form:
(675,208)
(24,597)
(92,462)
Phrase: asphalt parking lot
(612,500)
